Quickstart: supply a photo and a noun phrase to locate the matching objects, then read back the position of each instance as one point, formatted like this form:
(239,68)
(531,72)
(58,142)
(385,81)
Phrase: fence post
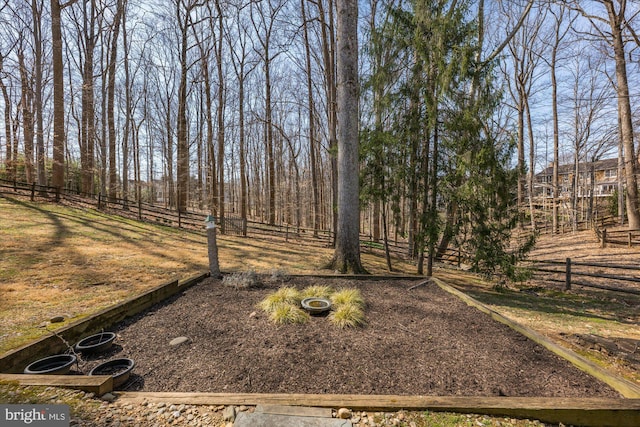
(244,227)
(629,239)
(604,238)
(139,207)
(33,191)
(286,235)
(567,283)
(179,219)
(459,258)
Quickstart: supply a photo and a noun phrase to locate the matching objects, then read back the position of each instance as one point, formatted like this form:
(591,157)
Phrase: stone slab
(257,419)
(299,411)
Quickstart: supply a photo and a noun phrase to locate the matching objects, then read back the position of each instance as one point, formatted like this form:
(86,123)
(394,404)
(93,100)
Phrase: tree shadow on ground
(556,303)
(138,236)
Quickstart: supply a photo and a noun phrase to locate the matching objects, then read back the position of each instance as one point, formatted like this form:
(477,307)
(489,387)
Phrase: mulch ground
(422,341)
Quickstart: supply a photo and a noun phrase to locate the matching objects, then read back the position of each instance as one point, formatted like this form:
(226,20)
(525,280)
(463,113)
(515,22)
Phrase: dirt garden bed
(422,341)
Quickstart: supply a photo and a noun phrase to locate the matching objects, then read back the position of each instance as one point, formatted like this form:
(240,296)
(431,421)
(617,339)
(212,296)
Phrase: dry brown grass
(59,260)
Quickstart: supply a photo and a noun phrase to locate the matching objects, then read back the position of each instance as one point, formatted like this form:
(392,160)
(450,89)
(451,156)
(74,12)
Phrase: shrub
(243,280)
(280,276)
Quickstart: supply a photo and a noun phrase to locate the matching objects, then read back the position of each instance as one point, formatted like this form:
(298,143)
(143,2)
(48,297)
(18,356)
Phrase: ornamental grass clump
(283,313)
(286,295)
(348,308)
(347,316)
(317,291)
(283,306)
(348,297)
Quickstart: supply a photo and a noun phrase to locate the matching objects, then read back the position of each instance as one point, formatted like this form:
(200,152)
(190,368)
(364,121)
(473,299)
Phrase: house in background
(603,173)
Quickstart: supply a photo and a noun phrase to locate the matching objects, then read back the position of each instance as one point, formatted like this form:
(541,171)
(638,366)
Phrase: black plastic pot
(120,369)
(60,364)
(97,343)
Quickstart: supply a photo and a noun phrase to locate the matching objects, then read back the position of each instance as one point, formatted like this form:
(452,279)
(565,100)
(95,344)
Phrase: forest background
(230,107)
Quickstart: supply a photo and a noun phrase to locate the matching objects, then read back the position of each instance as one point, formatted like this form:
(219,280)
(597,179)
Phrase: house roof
(600,165)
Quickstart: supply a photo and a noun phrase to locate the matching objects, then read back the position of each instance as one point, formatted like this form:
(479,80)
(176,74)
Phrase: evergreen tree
(443,146)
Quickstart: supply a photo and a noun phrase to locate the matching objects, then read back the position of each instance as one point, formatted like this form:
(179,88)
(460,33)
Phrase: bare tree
(611,26)
(57,178)
(36,11)
(220,115)
(525,57)
(205,48)
(588,136)
(239,47)
(328,38)
(8,120)
(313,150)
(27,114)
(128,107)
(88,33)
(559,33)
(110,98)
(264,24)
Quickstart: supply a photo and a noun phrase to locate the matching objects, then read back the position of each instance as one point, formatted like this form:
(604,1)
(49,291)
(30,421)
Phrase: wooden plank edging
(15,360)
(96,384)
(624,387)
(576,411)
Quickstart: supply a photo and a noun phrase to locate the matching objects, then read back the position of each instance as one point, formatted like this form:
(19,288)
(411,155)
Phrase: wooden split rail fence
(618,237)
(610,277)
(192,220)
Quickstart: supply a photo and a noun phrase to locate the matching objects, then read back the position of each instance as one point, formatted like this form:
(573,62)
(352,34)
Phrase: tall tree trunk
(221,89)
(556,146)
(329,59)
(243,143)
(520,145)
(213,206)
(271,168)
(432,235)
(347,252)
(616,22)
(170,195)
(111,90)
(312,129)
(9,161)
(87,131)
(126,133)
(27,117)
(102,143)
(57,178)
(182,143)
(37,96)
(530,175)
(555,183)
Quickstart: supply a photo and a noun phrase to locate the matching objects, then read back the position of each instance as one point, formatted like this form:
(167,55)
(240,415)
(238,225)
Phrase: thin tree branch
(515,29)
